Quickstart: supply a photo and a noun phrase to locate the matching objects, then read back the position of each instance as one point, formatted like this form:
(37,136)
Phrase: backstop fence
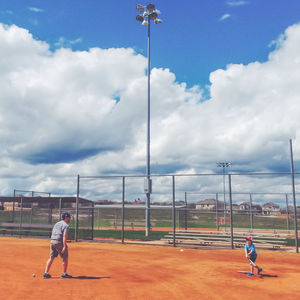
(196,209)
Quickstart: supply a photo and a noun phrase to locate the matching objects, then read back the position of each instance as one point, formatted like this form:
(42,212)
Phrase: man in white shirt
(58,245)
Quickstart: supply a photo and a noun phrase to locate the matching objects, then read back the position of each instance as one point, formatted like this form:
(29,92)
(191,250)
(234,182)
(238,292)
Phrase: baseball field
(114,271)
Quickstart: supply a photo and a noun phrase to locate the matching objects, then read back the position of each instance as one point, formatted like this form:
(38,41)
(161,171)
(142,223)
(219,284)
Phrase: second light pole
(224,165)
(148,13)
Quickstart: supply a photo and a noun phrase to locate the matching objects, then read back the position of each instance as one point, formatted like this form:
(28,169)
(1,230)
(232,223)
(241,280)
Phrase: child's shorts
(253,257)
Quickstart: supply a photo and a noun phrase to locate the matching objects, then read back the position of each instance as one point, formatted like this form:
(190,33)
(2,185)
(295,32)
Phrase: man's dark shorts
(56,248)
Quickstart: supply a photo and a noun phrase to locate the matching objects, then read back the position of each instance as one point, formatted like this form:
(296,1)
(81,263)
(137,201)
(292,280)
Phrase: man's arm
(65,238)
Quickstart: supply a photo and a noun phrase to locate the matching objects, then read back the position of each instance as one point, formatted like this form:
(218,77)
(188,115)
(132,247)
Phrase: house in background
(245,206)
(209,204)
(288,210)
(270,209)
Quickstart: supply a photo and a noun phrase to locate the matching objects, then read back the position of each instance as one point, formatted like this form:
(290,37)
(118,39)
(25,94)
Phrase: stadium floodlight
(153,15)
(140,18)
(150,6)
(224,164)
(148,13)
(140,8)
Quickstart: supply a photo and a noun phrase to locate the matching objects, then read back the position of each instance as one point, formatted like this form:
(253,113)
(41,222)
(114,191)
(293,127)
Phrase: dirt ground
(114,271)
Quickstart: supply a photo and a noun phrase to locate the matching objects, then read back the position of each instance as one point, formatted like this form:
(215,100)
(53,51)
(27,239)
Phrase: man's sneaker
(259,270)
(65,275)
(250,274)
(46,275)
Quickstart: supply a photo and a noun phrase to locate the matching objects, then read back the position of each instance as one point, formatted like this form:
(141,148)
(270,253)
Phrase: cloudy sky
(224,87)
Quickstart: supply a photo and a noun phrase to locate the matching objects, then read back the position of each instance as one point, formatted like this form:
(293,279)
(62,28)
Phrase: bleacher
(222,239)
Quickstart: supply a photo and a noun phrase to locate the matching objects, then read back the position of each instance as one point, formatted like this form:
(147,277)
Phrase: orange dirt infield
(115,271)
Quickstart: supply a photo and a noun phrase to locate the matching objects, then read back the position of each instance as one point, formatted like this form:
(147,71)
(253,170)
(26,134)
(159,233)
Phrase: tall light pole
(148,13)
(224,165)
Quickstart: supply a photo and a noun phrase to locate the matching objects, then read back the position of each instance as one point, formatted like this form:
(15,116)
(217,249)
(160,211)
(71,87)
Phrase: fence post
(231,219)
(77,204)
(31,212)
(185,215)
(294,196)
(224,199)
(59,209)
(251,213)
(49,213)
(13,209)
(217,221)
(51,205)
(287,213)
(21,217)
(93,209)
(174,212)
(123,203)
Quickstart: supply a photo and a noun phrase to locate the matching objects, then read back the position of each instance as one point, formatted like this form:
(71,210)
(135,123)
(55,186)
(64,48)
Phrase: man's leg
(48,264)
(65,257)
(65,264)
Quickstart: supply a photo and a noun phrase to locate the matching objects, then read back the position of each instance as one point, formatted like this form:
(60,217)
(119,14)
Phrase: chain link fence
(34,216)
(196,209)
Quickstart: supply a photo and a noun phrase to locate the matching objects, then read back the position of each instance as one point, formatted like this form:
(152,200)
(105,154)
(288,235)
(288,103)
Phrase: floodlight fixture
(148,13)
(140,18)
(224,164)
(150,6)
(153,15)
(157,21)
(140,8)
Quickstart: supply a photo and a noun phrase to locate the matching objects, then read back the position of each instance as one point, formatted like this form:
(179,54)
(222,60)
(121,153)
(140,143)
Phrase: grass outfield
(159,218)
(132,234)
(195,219)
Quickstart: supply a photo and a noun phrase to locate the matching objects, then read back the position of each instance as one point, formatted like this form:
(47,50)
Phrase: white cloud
(224,17)
(65,43)
(35,9)
(237,3)
(68,112)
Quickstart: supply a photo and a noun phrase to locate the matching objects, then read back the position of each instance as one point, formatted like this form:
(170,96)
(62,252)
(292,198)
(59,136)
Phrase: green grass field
(195,219)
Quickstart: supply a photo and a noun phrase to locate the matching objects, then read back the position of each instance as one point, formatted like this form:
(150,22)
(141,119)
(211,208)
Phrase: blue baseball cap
(65,215)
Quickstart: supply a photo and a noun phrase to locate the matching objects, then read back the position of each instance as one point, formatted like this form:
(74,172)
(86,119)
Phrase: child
(251,254)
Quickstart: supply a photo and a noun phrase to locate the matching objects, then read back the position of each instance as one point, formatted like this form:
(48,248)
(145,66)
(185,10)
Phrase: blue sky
(224,87)
(193,40)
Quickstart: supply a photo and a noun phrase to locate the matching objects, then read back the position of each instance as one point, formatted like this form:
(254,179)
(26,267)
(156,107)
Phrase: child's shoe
(259,270)
(250,274)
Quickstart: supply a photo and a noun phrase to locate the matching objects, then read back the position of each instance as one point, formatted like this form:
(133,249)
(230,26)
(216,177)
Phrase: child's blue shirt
(250,248)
